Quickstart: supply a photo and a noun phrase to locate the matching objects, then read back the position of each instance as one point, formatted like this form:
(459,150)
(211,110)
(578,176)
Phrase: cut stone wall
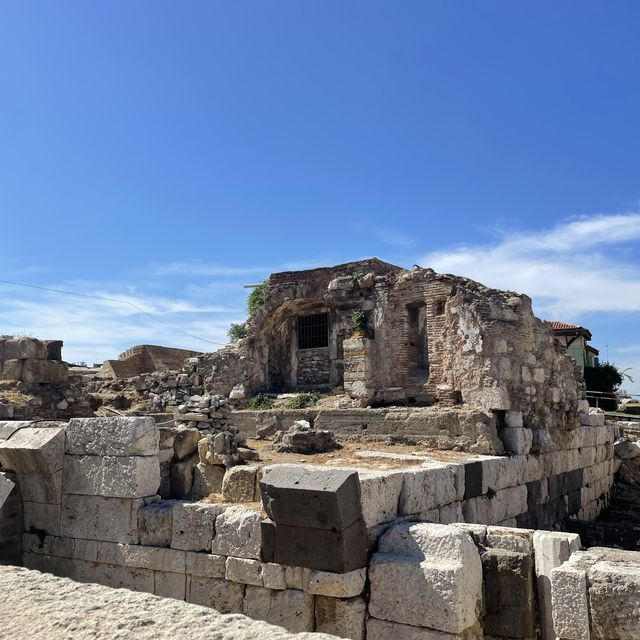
(31,360)
(146,358)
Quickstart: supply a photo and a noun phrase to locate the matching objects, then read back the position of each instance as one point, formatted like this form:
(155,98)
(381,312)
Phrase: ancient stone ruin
(430,487)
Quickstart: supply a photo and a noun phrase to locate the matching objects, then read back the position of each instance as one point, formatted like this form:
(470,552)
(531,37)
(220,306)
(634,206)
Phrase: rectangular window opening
(313,331)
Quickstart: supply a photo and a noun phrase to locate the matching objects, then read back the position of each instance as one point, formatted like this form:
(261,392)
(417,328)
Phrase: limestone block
(9,427)
(501,472)
(222,595)
(185,442)
(426,575)
(570,607)
(142,557)
(478,532)
(238,533)
(513,419)
(240,484)
(337,585)
(34,450)
(112,476)
(551,549)
(39,517)
(450,513)
(206,565)
(614,599)
(193,526)
(244,570)
(170,585)
(427,487)
(342,618)
(318,498)
(273,576)
(12,369)
(40,487)
(99,518)
(384,630)
(44,371)
(509,594)
(517,441)
(155,522)
(6,487)
(292,610)
(510,539)
(113,436)
(207,479)
(379,495)
(297,577)
(22,348)
(257,602)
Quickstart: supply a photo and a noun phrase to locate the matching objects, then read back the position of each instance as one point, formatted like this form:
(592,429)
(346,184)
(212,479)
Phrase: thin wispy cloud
(572,269)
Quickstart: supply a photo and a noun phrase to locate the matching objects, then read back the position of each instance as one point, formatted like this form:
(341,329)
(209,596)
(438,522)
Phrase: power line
(106,299)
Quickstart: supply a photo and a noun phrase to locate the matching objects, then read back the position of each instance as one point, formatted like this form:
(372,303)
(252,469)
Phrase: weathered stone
(626,449)
(99,518)
(193,526)
(112,476)
(40,487)
(9,427)
(6,487)
(426,575)
(206,565)
(239,484)
(244,570)
(302,438)
(207,479)
(292,610)
(322,549)
(113,436)
(517,441)
(320,498)
(34,450)
(41,518)
(185,442)
(427,487)
(384,630)
(38,371)
(337,585)
(570,606)
(343,618)
(181,476)
(379,495)
(551,548)
(238,533)
(222,595)
(170,585)
(155,522)
(508,595)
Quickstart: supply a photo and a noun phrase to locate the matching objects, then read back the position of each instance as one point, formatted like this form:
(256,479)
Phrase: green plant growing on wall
(302,400)
(237,331)
(260,402)
(256,298)
(359,323)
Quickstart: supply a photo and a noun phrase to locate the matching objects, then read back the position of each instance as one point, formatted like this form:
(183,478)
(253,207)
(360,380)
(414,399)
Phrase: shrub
(237,331)
(260,402)
(359,323)
(302,400)
(256,298)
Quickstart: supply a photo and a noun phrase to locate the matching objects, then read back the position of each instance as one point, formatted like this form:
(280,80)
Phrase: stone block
(41,518)
(44,371)
(320,498)
(510,539)
(517,441)
(207,479)
(40,487)
(112,476)
(426,575)
(570,606)
(181,477)
(185,442)
(450,513)
(509,594)
(113,436)
(155,522)
(321,549)
(12,369)
(342,618)
(222,595)
(297,577)
(238,533)
(427,487)
(240,484)
(551,549)
(292,610)
(472,480)
(99,518)
(193,526)
(141,557)
(6,487)
(501,472)
(244,570)
(169,585)
(614,599)
(34,450)
(22,348)
(206,565)
(273,576)
(9,427)
(337,585)
(384,630)
(513,419)
(379,495)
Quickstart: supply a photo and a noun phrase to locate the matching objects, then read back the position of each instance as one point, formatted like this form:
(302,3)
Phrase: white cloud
(565,270)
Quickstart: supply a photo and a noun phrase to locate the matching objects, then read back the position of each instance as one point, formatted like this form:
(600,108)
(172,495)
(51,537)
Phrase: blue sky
(167,153)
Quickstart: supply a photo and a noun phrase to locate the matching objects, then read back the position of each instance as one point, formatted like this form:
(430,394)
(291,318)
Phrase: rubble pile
(302,438)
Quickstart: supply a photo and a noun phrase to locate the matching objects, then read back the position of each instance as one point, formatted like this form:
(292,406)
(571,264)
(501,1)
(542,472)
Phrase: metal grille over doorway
(313,331)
